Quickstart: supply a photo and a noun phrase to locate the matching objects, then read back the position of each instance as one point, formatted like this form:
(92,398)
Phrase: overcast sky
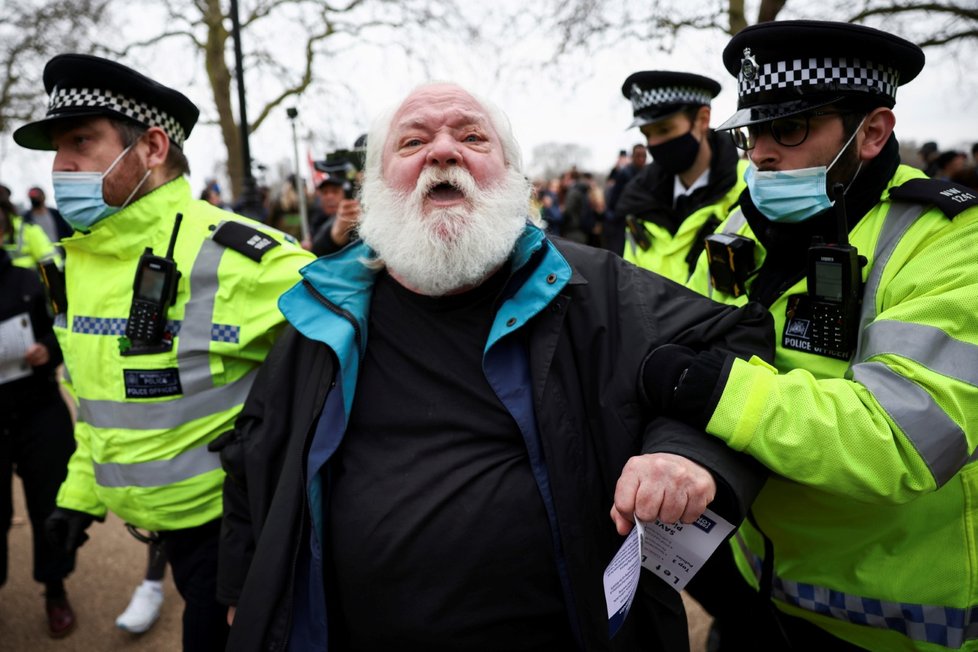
(578,102)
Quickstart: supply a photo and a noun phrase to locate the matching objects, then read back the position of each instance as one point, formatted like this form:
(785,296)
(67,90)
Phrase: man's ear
(875,132)
(703,119)
(158,146)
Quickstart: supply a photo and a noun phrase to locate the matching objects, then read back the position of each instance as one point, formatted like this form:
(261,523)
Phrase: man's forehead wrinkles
(425,118)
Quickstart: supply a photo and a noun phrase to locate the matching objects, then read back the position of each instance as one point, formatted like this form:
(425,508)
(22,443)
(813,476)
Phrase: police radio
(835,289)
(153,292)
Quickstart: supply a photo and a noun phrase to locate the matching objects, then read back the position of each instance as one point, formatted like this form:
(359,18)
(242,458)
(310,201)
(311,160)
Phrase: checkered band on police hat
(851,74)
(62,98)
(644,98)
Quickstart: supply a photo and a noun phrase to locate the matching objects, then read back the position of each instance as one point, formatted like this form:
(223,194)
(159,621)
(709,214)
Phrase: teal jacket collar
(345,281)
(331,304)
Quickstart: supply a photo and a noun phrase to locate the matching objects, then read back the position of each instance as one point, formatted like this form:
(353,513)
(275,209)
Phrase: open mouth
(445,192)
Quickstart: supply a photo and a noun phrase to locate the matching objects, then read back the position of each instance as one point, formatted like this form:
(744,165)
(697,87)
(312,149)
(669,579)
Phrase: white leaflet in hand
(677,552)
(621,578)
(16,336)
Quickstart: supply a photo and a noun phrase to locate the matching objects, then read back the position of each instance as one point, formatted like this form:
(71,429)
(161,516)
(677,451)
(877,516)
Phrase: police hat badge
(748,65)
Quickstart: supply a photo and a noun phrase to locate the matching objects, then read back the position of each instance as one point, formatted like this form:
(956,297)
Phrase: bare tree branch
(931,7)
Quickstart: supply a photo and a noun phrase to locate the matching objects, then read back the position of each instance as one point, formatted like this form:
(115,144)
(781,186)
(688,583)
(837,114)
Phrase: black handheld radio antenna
(173,236)
(841,220)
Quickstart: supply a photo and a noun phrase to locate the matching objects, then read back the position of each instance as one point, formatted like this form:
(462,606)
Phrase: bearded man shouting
(448,486)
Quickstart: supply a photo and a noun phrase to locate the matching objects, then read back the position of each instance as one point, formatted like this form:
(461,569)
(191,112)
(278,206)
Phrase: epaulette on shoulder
(244,239)
(952,198)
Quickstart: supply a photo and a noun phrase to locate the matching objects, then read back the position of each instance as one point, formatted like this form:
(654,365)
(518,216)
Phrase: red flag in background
(314,174)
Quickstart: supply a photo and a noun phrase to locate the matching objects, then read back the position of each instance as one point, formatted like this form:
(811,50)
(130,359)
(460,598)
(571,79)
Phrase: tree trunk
(219,76)
(769,10)
(738,20)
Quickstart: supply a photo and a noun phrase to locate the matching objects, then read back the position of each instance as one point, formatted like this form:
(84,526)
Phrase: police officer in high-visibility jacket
(693,182)
(866,536)
(171,308)
(27,244)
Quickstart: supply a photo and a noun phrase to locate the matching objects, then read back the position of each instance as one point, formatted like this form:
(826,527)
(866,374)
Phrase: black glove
(661,372)
(681,383)
(65,528)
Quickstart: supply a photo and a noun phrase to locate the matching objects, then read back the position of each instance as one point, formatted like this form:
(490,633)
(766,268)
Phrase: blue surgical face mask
(791,196)
(79,195)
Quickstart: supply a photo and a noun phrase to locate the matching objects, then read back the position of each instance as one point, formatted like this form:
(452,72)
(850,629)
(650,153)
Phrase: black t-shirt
(436,528)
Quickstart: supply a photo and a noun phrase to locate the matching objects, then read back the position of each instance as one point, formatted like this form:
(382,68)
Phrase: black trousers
(193,559)
(744,621)
(36,440)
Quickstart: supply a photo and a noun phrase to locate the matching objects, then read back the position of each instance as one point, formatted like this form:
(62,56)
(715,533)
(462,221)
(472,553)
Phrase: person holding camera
(332,226)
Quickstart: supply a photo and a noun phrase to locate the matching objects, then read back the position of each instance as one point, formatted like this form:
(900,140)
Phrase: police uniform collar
(81,85)
(790,67)
(147,220)
(657,94)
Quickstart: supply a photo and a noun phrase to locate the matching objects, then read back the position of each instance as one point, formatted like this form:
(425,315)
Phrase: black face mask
(676,155)
(37,202)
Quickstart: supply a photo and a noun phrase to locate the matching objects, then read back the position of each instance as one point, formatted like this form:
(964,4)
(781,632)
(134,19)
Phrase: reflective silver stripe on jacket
(158,473)
(899,218)
(193,347)
(734,222)
(132,415)
(927,345)
(940,442)
(948,626)
(938,439)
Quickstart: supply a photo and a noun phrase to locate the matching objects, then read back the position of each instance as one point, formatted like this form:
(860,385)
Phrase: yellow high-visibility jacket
(144,421)
(27,244)
(873,516)
(668,252)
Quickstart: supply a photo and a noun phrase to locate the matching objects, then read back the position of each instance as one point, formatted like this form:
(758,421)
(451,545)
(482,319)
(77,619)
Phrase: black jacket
(21,292)
(585,350)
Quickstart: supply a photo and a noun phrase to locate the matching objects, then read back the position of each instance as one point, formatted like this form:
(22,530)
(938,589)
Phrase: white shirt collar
(678,189)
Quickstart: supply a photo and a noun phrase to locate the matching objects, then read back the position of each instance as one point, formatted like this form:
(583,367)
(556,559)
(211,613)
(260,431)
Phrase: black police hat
(83,85)
(657,94)
(792,66)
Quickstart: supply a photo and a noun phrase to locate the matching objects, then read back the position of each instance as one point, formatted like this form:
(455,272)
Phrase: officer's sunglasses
(790,131)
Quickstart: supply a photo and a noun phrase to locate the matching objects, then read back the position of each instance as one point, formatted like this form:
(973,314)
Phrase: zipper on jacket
(333,308)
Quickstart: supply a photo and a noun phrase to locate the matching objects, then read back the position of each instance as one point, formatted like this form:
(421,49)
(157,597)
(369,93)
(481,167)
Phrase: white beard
(445,249)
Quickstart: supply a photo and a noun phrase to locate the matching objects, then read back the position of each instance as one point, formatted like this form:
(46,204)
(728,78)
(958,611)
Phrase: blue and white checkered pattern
(99,325)
(225,333)
(947,626)
(644,98)
(852,74)
(141,112)
(116,326)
